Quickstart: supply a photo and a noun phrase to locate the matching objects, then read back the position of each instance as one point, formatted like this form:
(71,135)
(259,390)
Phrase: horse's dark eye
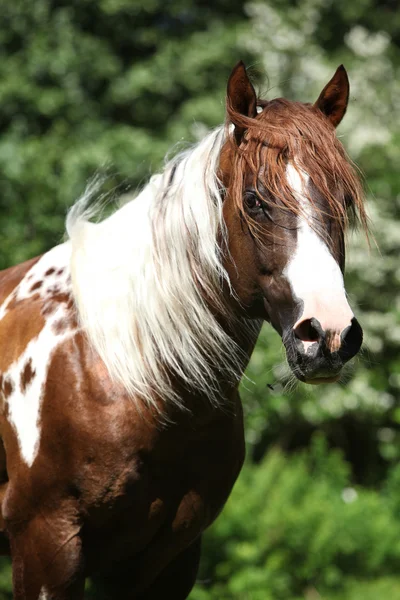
(252,201)
(255,205)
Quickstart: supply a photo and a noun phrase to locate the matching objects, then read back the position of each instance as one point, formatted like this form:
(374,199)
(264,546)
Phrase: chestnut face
(288,185)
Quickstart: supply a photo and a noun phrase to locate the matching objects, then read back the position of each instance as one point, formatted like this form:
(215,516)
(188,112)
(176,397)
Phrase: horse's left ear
(334,97)
(241,98)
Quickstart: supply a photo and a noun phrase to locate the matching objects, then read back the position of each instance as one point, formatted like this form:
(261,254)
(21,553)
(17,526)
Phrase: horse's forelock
(286,131)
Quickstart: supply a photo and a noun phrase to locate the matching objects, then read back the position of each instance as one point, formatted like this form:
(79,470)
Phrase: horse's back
(11,277)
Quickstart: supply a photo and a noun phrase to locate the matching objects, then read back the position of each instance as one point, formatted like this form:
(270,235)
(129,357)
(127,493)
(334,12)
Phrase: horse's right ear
(333,99)
(241,98)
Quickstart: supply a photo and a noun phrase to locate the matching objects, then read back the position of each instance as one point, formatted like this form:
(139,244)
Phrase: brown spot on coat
(60,326)
(52,303)
(8,388)
(36,286)
(50,271)
(62,297)
(27,375)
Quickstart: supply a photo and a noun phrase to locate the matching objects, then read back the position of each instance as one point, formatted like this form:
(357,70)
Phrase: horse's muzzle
(321,359)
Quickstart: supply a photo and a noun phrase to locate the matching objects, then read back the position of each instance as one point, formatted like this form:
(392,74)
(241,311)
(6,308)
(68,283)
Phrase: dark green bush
(295,527)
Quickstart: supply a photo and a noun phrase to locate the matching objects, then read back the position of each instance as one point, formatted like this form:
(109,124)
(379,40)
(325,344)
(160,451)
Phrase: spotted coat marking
(7,388)
(47,283)
(27,375)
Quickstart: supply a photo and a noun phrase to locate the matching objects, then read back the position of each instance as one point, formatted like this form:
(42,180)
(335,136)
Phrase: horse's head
(289,188)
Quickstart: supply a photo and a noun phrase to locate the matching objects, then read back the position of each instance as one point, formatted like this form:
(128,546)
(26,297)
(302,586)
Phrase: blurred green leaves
(296,527)
(89,85)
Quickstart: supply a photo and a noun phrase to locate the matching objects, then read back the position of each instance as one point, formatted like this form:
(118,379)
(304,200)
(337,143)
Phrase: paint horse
(121,350)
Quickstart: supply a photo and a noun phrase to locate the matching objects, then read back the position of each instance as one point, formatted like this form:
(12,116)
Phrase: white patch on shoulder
(314,275)
(24,401)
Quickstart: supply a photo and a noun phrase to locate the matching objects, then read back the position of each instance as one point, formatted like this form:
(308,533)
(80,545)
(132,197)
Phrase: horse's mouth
(320,380)
(314,370)
(312,357)
(326,373)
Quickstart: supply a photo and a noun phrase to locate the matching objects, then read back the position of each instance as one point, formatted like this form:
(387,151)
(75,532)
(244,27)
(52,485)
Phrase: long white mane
(141,276)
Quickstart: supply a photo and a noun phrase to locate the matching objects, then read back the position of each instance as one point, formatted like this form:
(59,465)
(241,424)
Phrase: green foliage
(5,579)
(296,527)
(89,85)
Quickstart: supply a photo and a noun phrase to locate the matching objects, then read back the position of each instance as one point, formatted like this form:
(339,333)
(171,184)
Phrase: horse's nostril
(306,331)
(352,338)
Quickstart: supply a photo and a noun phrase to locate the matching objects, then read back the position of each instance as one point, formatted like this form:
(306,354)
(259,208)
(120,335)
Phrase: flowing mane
(141,276)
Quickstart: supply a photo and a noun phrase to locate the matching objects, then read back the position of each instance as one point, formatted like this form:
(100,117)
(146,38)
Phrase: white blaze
(314,275)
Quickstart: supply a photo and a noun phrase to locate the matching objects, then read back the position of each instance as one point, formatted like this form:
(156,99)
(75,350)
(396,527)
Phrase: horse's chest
(170,494)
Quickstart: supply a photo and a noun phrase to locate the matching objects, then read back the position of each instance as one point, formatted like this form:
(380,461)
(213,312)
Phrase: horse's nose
(346,342)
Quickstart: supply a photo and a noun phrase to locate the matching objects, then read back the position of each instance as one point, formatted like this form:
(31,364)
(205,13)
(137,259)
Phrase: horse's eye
(252,201)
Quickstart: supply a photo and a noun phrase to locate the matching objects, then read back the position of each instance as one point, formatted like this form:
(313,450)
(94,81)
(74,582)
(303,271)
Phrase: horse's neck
(245,333)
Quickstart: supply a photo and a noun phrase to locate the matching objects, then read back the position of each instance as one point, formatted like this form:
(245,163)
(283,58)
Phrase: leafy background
(114,85)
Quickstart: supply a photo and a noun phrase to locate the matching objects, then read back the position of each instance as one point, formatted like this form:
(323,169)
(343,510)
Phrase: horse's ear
(334,97)
(241,98)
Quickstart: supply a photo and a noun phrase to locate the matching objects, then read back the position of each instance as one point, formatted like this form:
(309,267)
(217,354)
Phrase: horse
(121,349)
